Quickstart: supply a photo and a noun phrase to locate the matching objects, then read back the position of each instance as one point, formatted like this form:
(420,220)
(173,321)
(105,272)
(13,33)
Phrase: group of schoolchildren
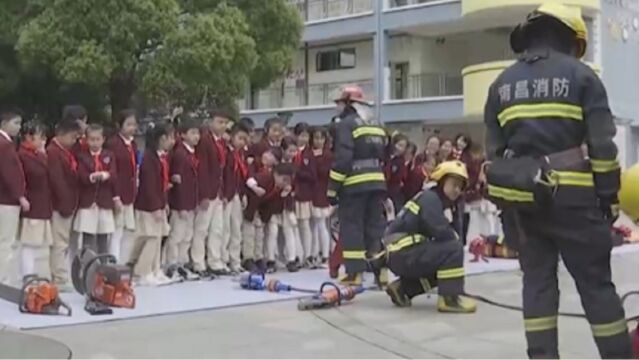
(407,171)
(206,198)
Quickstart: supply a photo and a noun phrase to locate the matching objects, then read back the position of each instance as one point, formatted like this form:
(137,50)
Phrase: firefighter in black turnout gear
(357,182)
(541,115)
(423,248)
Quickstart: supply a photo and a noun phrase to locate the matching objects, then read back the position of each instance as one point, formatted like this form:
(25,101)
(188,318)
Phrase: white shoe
(176,278)
(236,269)
(65,288)
(190,275)
(148,280)
(161,278)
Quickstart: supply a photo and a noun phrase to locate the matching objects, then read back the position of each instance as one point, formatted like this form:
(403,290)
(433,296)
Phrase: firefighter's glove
(332,197)
(610,211)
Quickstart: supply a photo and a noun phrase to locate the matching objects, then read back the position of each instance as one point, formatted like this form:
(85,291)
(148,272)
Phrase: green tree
(170,50)
(36,91)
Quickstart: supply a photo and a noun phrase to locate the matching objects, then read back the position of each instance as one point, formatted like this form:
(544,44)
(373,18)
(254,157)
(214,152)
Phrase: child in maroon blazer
(252,226)
(396,171)
(419,176)
(12,195)
(305,178)
(123,147)
(321,206)
(274,131)
(78,114)
(281,214)
(206,251)
(63,180)
(97,172)
(277,186)
(151,206)
(183,201)
(35,225)
(235,175)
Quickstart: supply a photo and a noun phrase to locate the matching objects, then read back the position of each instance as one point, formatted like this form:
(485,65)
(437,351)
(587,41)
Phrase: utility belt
(366,164)
(531,183)
(400,241)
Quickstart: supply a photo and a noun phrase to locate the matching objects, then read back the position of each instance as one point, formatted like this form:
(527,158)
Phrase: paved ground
(369,328)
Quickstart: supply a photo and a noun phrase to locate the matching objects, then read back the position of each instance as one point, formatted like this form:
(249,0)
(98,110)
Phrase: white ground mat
(208,295)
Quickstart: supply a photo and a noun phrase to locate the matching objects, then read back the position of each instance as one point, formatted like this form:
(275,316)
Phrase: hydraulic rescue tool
(490,246)
(258,282)
(103,282)
(335,259)
(37,296)
(334,296)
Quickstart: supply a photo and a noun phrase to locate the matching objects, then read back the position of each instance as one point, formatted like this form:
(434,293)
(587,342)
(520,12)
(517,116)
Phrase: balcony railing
(318,94)
(427,85)
(323,94)
(313,10)
(400,3)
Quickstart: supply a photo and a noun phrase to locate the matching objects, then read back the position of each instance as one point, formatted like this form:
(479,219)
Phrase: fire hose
(335,295)
(561,313)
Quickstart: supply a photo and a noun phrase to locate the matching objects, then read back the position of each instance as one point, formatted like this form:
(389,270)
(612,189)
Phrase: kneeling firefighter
(357,183)
(422,247)
(561,199)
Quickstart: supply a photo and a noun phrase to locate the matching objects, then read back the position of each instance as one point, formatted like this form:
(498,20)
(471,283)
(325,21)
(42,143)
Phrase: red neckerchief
(221,149)
(240,166)
(273,193)
(164,165)
(73,163)
(299,157)
(83,143)
(192,158)
(97,162)
(129,147)
(29,148)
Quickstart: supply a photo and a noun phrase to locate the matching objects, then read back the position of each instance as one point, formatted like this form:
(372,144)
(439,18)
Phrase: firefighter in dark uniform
(563,200)
(423,248)
(357,182)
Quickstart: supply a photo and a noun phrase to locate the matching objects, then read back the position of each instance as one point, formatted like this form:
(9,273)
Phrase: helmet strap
(363,111)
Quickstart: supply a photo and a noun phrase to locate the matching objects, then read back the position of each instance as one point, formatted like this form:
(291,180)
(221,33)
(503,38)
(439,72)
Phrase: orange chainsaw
(103,282)
(37,296)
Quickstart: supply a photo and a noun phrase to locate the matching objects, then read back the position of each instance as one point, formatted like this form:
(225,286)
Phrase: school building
(428,63)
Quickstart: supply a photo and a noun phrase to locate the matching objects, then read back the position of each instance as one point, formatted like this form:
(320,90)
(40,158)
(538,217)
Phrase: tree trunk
(121,90)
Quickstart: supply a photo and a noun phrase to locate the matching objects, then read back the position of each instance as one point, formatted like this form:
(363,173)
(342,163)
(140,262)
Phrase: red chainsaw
(37,296)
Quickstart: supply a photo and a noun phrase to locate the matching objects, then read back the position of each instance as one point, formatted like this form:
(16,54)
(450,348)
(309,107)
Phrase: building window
(335,60)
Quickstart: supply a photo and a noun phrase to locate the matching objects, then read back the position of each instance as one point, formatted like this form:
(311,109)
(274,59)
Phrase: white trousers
(253,239)
(208,237)
(484,219)
(232,246)
(9,220)
(123,237)
(180,237)
(321,237)
(35,260)
(288,226)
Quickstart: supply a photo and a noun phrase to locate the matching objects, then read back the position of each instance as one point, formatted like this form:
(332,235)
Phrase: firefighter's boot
(354,279)
(456,304)
(397,294)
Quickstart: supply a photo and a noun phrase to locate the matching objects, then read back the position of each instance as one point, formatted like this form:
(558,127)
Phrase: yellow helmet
(569,16)
(455,167)
(629,193)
